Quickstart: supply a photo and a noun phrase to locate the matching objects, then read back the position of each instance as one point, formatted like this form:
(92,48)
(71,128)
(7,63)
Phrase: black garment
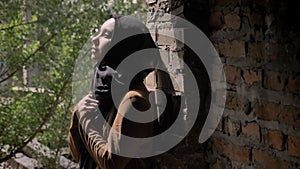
(101,87)
(129,36)
(86,161)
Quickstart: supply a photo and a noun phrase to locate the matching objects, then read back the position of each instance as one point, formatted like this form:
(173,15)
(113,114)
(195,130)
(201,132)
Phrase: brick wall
(259,44)
(189,153)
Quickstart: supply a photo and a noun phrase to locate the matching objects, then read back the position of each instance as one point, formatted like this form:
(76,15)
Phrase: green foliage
(48,36)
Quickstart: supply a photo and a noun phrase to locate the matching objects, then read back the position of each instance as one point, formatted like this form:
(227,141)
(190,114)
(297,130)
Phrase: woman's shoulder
(139,99)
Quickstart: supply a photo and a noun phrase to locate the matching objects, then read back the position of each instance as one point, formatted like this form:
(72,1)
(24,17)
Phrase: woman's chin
(93,58)
(96,58)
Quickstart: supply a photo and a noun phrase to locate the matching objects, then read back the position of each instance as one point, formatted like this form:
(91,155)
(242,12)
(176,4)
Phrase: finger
(91,104)
(90,95)
(89,108)
(90,100)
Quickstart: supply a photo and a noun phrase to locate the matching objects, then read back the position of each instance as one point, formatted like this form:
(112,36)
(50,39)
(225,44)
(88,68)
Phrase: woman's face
(102,40)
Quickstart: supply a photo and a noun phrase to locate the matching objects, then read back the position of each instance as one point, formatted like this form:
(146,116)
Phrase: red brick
(233,74)
(275,112)
(263,50)
(294,84)
(252,130)
(274,80)
(268,111)
(274,139)
(255,19)
(233,127)
(215,20)
(273,50)
(257,51)
(268,161)
(232,102)
(217,165)
(291,116)
(234,152)
(237,153)
(294,146)
(232,49)
(251,76)
(232,20)
(220,125)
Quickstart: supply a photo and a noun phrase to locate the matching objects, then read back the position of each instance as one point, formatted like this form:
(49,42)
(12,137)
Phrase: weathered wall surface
(189,153)
(258,42)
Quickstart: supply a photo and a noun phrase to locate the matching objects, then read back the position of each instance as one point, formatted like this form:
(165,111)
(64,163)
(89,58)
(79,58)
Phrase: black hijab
(129,35)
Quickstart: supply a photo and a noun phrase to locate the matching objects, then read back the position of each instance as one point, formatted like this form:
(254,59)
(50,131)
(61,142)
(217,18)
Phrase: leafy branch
(17,25)
(44,121)
(19,67)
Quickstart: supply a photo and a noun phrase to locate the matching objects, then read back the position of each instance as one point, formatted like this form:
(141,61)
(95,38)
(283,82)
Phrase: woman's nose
(95,40)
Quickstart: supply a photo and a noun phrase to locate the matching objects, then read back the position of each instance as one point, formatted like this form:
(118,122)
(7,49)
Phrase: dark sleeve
(74,140)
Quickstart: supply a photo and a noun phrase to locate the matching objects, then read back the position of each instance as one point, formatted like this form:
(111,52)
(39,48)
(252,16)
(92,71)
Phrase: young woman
(95,144)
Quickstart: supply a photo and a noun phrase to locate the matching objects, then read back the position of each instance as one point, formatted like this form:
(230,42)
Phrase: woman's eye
(108,34)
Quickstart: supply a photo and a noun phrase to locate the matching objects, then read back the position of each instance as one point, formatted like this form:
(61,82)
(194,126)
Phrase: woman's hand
(88,103)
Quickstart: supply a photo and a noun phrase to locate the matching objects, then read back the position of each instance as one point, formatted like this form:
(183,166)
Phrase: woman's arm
(100,148)
(74,141)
